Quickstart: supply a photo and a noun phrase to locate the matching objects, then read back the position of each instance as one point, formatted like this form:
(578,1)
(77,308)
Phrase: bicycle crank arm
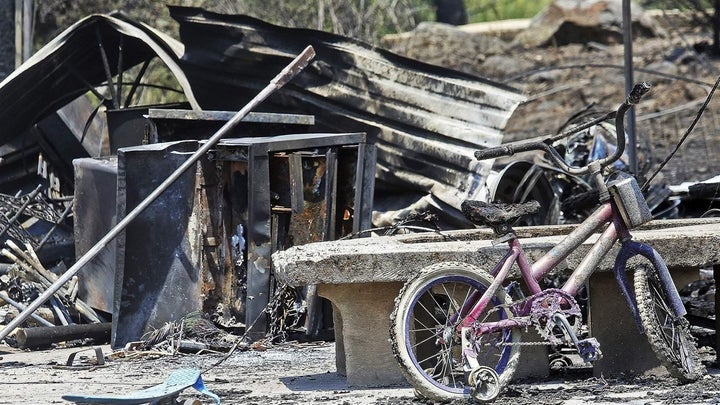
(588,349)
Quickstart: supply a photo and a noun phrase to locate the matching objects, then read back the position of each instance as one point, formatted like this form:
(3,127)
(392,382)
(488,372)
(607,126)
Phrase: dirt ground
(305,373)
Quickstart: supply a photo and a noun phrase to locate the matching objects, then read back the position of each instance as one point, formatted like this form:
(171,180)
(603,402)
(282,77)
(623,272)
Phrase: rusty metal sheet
(168,125)
(259,117)
(94,213)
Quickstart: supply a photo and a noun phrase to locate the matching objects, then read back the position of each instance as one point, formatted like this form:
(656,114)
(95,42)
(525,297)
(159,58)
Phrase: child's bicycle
(455,329)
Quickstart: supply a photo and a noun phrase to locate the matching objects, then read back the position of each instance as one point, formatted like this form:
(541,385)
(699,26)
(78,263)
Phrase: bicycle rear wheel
(669,336)
(426,342)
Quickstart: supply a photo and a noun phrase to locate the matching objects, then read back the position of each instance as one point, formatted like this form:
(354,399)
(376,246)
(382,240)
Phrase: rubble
(445,45)
(455,129)
(564,22)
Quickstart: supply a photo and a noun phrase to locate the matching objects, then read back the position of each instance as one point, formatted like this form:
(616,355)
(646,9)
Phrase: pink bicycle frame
(531,274)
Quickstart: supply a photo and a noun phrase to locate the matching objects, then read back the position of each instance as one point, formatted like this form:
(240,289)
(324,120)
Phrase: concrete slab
(683,243)
(362,277)
(363,312)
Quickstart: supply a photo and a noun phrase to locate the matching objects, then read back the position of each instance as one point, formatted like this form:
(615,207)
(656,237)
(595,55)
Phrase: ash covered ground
(295,373)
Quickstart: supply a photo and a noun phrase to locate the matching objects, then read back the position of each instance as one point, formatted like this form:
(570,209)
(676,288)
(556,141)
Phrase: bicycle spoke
(425,335)
(417,344)
(437,355)
(452,307)
(429,312)
(667,322)
(423,329)
(668,334)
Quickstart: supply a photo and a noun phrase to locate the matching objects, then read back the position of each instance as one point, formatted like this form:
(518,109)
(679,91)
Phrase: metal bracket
(99,357)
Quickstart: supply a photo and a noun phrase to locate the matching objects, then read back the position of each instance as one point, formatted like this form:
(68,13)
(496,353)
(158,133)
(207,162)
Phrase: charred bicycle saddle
(498,216)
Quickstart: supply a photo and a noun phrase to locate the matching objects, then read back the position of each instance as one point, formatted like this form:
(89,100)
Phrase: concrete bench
(362,277)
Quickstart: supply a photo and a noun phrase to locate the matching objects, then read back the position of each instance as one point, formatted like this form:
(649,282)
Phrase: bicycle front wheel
(669,335)
(426,342)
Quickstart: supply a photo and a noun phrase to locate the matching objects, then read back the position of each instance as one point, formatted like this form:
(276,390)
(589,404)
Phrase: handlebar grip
(637,92)
(491,153)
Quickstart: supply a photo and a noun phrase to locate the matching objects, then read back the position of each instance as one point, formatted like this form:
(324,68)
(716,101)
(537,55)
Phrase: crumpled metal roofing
(427,121)
(71,63)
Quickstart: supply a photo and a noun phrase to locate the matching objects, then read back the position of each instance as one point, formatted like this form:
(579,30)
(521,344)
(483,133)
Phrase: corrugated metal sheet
(426,121)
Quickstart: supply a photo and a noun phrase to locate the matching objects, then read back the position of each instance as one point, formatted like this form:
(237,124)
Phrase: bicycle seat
(499,216)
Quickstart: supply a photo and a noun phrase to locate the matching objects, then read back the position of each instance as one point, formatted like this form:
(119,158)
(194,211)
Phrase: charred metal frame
(177,256)
(157,274)
(262,211)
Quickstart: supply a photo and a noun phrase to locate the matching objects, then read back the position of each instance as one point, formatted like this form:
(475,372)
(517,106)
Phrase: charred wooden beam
(44,336)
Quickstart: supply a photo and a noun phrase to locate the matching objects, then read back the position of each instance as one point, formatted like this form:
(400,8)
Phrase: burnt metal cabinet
(156,271)
(206,244)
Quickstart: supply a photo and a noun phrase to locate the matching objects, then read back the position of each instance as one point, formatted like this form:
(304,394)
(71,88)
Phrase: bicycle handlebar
(638,91)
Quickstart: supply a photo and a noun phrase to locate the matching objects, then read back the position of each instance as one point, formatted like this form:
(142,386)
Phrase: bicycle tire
(430,291)
(669,336)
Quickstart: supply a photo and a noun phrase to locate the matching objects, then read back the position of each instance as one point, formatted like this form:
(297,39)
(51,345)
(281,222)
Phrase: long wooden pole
(290,71)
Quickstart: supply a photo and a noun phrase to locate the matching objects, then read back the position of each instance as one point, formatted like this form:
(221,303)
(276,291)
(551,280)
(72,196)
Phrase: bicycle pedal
(589,350)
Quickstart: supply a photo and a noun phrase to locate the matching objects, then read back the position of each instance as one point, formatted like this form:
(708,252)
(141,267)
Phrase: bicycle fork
(630,249)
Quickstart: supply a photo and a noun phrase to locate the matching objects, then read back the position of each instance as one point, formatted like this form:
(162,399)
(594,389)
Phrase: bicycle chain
(537,327)
(538,343)
(508,306)
(527,344)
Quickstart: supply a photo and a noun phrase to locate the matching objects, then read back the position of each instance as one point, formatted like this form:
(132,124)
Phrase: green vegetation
(367,20)
(492,10)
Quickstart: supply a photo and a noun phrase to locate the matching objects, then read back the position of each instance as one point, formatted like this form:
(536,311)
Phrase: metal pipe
(108,73)
(120,71)
(64,215)
(17,215)
(22,307)
(290,71)
(628,58)
(136,82)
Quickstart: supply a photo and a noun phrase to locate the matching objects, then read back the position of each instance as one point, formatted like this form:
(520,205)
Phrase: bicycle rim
(669,336)
(426,342)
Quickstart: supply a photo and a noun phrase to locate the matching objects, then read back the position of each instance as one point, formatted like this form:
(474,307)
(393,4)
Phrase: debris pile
(191,334)
(25,280)
(363,133)
(564,22)
(35,219)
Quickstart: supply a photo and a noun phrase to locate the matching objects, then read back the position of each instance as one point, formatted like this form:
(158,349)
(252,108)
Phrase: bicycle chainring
(548,303)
